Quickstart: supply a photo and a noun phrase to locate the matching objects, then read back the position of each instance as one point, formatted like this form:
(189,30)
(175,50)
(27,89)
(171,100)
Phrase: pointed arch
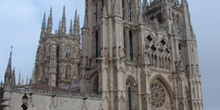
(161,93)
(163,81)
(131,90)
(131,79)
(96,84)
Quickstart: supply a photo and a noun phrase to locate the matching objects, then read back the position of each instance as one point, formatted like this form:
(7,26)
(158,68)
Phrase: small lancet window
(129,12)
(180,52)
(97,45)
(178,28)
(68,51)
(68,72)
(58,51)
(123,9)
(130,45)
(129,98)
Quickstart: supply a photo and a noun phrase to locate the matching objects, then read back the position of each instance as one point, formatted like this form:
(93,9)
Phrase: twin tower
(137,55)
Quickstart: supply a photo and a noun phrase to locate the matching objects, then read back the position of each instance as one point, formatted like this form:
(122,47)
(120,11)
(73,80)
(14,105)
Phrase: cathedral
(128,55)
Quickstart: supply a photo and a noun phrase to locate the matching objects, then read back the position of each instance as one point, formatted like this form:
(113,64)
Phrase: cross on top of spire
(11,48)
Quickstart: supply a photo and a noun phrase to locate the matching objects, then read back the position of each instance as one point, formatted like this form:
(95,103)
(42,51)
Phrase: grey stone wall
(50,102)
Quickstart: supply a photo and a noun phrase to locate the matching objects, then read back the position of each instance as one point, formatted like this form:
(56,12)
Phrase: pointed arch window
(58,51)
(129,99)
(178,28)
(123,9)
(129,11)
(68,72)
(130,45)
(97,45)
(96,85)
(180,54)
(68,51)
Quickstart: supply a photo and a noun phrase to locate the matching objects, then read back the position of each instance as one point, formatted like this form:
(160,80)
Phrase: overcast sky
(20,25)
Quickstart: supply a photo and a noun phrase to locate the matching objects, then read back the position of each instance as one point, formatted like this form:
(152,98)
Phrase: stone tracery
(158,95)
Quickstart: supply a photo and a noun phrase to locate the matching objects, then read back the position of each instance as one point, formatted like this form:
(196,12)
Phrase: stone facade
(135,56)
(140,56)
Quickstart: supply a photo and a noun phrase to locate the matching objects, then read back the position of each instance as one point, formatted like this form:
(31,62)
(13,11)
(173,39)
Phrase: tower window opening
(68,72)
(124,38)
(123,9)
(130,45)
(180,53)
(129,98)
(58,51)
(68,51)
(159,18)
(129,12)
(178,29)
(97,45)
(90,63)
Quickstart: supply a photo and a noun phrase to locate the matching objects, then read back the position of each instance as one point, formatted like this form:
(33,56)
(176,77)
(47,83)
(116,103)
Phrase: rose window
(158,95)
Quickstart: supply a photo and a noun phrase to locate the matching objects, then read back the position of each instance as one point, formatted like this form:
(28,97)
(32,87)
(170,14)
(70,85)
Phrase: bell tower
(130,48)
(106,45)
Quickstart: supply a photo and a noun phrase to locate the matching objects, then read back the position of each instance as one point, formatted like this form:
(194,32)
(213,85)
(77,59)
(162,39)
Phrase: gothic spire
(63,28)
(71,28)
(8,72)
(43,28)
(86,15)
(59,27)
(50,23)
(186,21)
(76,25)
(75,19)
(13,77)
(19,79)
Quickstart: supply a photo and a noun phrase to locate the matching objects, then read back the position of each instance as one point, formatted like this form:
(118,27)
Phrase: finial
(71,29)
(50,23)
(11,48)
(19,79)
(63,28)
(8,72)
(75,20)
(43,28)
(78,19)
(13,77)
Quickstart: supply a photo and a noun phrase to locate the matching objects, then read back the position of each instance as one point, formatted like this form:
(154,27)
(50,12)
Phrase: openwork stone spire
(50,23)
(71,28)
(43,28)
(63,28)
(8,72)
